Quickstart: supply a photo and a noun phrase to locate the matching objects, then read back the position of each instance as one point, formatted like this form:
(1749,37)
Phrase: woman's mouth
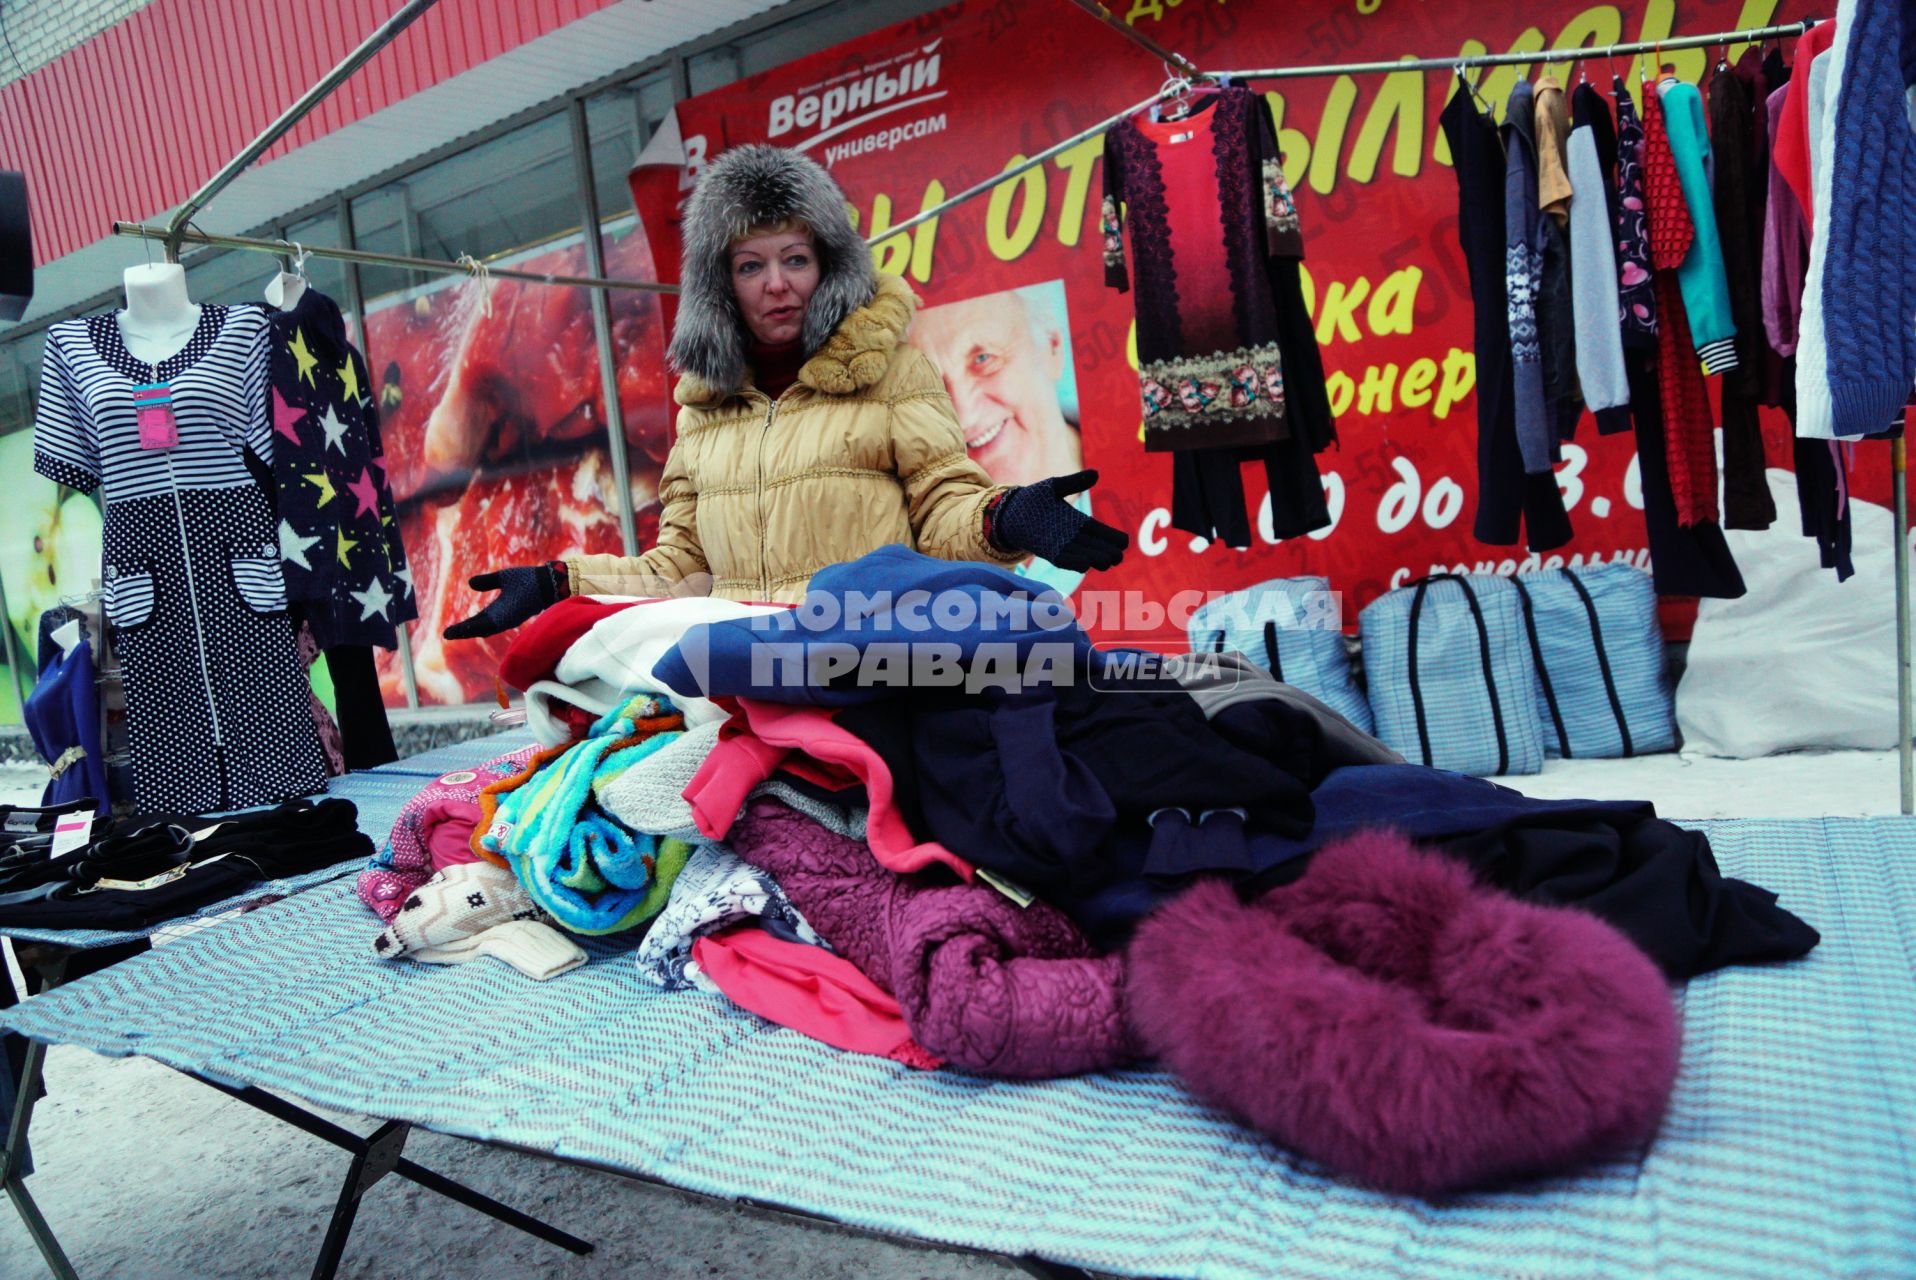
(782,313)
(981,438)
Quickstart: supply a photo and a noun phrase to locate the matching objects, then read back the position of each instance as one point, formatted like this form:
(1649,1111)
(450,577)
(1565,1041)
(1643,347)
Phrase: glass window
(795,38)
(492,405)
(323,274)
(621,121)
(19,379)
(511,193)
(227,275)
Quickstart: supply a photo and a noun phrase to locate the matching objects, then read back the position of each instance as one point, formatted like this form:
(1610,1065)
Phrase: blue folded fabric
(888,620)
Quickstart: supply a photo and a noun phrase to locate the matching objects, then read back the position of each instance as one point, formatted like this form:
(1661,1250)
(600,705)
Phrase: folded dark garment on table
(154,870)
(1657,882)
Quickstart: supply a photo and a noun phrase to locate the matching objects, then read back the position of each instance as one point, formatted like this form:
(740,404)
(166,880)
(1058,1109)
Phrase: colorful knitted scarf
(577,862)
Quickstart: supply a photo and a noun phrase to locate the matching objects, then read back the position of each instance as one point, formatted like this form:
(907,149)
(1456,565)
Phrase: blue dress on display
(63,715)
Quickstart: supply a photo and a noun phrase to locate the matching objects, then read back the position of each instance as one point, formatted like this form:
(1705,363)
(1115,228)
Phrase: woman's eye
(798,262)
(747,268)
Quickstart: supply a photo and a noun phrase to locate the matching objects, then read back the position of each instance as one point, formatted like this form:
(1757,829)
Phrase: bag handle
(1543,671)
(1270,648)
(1603,663)
(1483,651)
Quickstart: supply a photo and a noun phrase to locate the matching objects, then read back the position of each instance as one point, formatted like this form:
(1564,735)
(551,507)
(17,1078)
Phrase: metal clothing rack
(1905,676)
(367,257)
(1544,56)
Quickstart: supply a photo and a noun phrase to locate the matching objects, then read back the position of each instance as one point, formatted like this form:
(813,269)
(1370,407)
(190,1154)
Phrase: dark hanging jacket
(1738,196)
(345,567)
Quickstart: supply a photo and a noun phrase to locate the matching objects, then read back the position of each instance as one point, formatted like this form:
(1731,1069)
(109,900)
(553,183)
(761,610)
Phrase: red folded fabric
(538,644)
(811,990)
(763,737)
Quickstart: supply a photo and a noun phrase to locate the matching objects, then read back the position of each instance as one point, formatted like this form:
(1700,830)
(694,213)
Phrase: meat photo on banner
(496,441)
(920,110)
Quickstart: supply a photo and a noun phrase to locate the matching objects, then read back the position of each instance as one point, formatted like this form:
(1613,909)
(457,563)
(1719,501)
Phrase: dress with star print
(338,530)
(216,702)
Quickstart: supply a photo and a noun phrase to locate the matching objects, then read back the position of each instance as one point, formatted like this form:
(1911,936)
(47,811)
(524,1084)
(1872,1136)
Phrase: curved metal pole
(1352,68)
(1167,56)
(1899,469)
(379,39)
(367,257)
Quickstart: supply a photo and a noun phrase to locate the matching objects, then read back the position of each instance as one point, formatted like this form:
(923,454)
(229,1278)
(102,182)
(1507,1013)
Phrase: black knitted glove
(523,593)
(1036,518)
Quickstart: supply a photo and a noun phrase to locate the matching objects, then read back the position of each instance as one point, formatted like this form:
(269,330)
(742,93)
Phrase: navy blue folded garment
(889,620)
(1655,881)
(1033,786)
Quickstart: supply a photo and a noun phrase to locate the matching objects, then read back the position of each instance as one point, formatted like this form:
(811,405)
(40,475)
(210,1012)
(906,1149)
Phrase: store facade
(524,421)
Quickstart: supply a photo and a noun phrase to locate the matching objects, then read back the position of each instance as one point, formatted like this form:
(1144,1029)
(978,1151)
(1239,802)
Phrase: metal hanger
(1476,96)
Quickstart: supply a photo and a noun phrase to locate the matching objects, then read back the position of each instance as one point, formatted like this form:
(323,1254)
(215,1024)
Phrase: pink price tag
(73,831)
(153,412)
(158,428)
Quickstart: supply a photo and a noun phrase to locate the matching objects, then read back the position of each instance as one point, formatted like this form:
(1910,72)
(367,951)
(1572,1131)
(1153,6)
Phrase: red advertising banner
(493,415)
(1040,356)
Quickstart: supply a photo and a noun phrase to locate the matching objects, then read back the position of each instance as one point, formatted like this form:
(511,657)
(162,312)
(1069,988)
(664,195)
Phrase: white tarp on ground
(1801,660)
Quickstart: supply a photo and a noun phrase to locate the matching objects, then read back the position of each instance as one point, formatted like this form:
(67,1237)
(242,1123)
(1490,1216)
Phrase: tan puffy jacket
(862,451)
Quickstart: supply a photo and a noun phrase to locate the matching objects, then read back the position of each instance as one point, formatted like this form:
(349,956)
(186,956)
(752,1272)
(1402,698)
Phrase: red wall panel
(129,123)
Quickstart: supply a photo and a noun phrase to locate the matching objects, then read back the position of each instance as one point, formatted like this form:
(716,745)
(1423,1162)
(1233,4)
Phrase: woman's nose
(775,281)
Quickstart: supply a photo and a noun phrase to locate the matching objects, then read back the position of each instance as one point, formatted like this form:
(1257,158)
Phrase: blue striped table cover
(1789,1148)
(461,755)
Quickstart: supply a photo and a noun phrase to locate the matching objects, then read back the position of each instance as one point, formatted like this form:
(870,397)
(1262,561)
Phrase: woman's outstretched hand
(523,593)
(1037,518)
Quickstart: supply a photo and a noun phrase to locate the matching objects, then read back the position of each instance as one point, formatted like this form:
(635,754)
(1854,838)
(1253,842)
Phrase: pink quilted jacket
(986,985)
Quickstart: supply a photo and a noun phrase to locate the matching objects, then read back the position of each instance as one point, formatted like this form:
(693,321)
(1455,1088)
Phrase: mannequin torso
(160,318)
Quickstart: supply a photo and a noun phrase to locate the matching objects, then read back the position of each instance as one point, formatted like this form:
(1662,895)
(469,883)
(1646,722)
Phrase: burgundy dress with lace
(1229,369)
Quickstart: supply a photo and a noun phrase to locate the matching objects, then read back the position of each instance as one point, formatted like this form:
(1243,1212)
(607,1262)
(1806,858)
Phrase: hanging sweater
(1732,148)
(1689,434)
(1706,286)
(1635,294)
(1791,151)
(1556,312)
(1786,247)
(1857,357)
(339,544)
(1746,491)
(1523,269)
(1593,265)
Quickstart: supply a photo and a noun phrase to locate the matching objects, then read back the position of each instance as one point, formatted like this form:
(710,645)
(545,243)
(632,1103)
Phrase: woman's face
(773,277)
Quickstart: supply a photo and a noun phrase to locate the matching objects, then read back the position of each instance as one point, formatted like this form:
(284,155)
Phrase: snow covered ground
(1800,784)
(145,1172)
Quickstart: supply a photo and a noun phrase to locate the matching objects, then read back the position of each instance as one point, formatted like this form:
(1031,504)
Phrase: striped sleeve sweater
(1705,284)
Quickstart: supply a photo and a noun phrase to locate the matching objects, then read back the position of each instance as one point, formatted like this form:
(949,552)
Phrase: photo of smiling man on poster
(1006,361)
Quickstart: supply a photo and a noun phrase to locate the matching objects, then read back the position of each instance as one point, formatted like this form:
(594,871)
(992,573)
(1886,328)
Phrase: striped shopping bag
(1293,628)
(1603,688)
(1451,675)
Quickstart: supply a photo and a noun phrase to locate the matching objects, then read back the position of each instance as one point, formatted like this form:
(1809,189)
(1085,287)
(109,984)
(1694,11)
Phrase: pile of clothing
(1760,230)
(1027,878)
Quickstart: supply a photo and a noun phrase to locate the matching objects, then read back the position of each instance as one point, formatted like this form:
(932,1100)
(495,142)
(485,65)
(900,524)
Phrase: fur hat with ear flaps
(754,186)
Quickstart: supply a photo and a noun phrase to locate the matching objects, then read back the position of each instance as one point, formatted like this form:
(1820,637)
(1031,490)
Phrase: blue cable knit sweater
(1868,290)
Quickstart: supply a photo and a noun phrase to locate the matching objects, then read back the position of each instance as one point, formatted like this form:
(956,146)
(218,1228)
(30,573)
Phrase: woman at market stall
(810,432)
